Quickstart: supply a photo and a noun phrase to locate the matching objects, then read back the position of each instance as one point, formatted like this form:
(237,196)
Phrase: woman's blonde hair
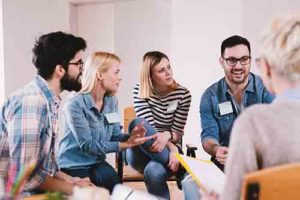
(96,62)
(150,60)
(280,46)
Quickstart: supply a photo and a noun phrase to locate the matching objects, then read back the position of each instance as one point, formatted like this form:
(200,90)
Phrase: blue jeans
(190,189)
(153,165)
(100,174)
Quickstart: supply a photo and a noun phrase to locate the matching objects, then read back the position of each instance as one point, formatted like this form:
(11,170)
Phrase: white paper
(206,172)
(91,193)
(172,106)
(122,192)
(112,117)
(225,108)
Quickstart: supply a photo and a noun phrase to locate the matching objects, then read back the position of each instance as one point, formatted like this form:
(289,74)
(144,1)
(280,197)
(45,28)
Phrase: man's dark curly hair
(233,41)
(56,48)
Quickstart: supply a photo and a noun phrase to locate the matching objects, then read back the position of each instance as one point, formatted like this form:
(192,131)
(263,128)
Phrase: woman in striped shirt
(163,106)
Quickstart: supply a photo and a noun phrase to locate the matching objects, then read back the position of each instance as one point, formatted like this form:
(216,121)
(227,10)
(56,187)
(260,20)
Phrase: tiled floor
(176,194)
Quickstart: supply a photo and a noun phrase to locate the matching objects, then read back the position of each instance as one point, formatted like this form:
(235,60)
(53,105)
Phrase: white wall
(140,26)
(2,77)
(198,28)
(95,25)
(23,22)
(258,14)
(73,19)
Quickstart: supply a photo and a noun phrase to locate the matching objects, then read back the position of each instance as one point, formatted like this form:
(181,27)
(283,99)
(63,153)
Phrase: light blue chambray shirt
(88,134)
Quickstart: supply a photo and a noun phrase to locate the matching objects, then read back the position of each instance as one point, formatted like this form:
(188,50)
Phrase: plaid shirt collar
(54,100)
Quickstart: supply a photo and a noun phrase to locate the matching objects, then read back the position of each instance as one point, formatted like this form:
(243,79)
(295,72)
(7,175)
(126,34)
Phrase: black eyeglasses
(232,61)
(79,63)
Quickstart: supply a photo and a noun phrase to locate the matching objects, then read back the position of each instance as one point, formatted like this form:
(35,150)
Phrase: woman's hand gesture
(137,137)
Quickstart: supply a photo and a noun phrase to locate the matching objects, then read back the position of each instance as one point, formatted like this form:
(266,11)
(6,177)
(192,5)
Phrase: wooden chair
(281,182)
(125,172)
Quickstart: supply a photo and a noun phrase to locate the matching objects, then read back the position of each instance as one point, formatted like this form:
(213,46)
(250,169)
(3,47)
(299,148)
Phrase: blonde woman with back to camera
(262,130)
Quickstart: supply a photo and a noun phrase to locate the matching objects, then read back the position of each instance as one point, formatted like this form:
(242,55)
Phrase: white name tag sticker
(112,118)
(172,106)
(225,108)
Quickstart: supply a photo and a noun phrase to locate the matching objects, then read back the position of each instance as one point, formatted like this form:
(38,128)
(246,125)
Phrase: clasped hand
(161,140)
(221,154)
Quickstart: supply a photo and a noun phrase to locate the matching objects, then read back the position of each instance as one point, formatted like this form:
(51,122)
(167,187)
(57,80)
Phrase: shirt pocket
(95,129)
(45,139)
(109,127)
(225,123)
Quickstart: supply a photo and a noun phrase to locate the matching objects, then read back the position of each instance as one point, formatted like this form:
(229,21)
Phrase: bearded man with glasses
(222,102)
(29,117)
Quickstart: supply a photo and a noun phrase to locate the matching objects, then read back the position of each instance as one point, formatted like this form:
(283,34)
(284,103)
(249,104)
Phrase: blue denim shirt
(88,134)
(218,127)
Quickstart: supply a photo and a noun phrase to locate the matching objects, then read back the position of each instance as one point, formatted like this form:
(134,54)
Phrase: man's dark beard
(242,81)
(70,84)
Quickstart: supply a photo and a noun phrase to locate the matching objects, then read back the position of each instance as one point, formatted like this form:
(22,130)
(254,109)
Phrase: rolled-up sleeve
(210,128)
(117,135)
(25,127)
(267,96)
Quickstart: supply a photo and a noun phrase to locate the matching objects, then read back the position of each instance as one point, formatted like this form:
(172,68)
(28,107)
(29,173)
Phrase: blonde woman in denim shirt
(92,125)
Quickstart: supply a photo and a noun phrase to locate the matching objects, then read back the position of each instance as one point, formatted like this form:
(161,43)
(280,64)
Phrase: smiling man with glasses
(223,101)
(29,117)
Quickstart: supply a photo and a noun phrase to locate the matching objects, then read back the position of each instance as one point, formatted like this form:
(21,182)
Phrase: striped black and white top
(168,113)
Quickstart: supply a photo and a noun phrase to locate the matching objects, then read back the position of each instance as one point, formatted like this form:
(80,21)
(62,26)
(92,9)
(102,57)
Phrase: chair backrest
(280,182)
(128,116)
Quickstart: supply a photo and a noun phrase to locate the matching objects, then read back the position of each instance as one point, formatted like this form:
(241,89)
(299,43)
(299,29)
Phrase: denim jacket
(89,135)
(218,127)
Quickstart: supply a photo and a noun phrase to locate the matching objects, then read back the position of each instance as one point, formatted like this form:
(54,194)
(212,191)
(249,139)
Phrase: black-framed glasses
(79,63)
(232,61)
